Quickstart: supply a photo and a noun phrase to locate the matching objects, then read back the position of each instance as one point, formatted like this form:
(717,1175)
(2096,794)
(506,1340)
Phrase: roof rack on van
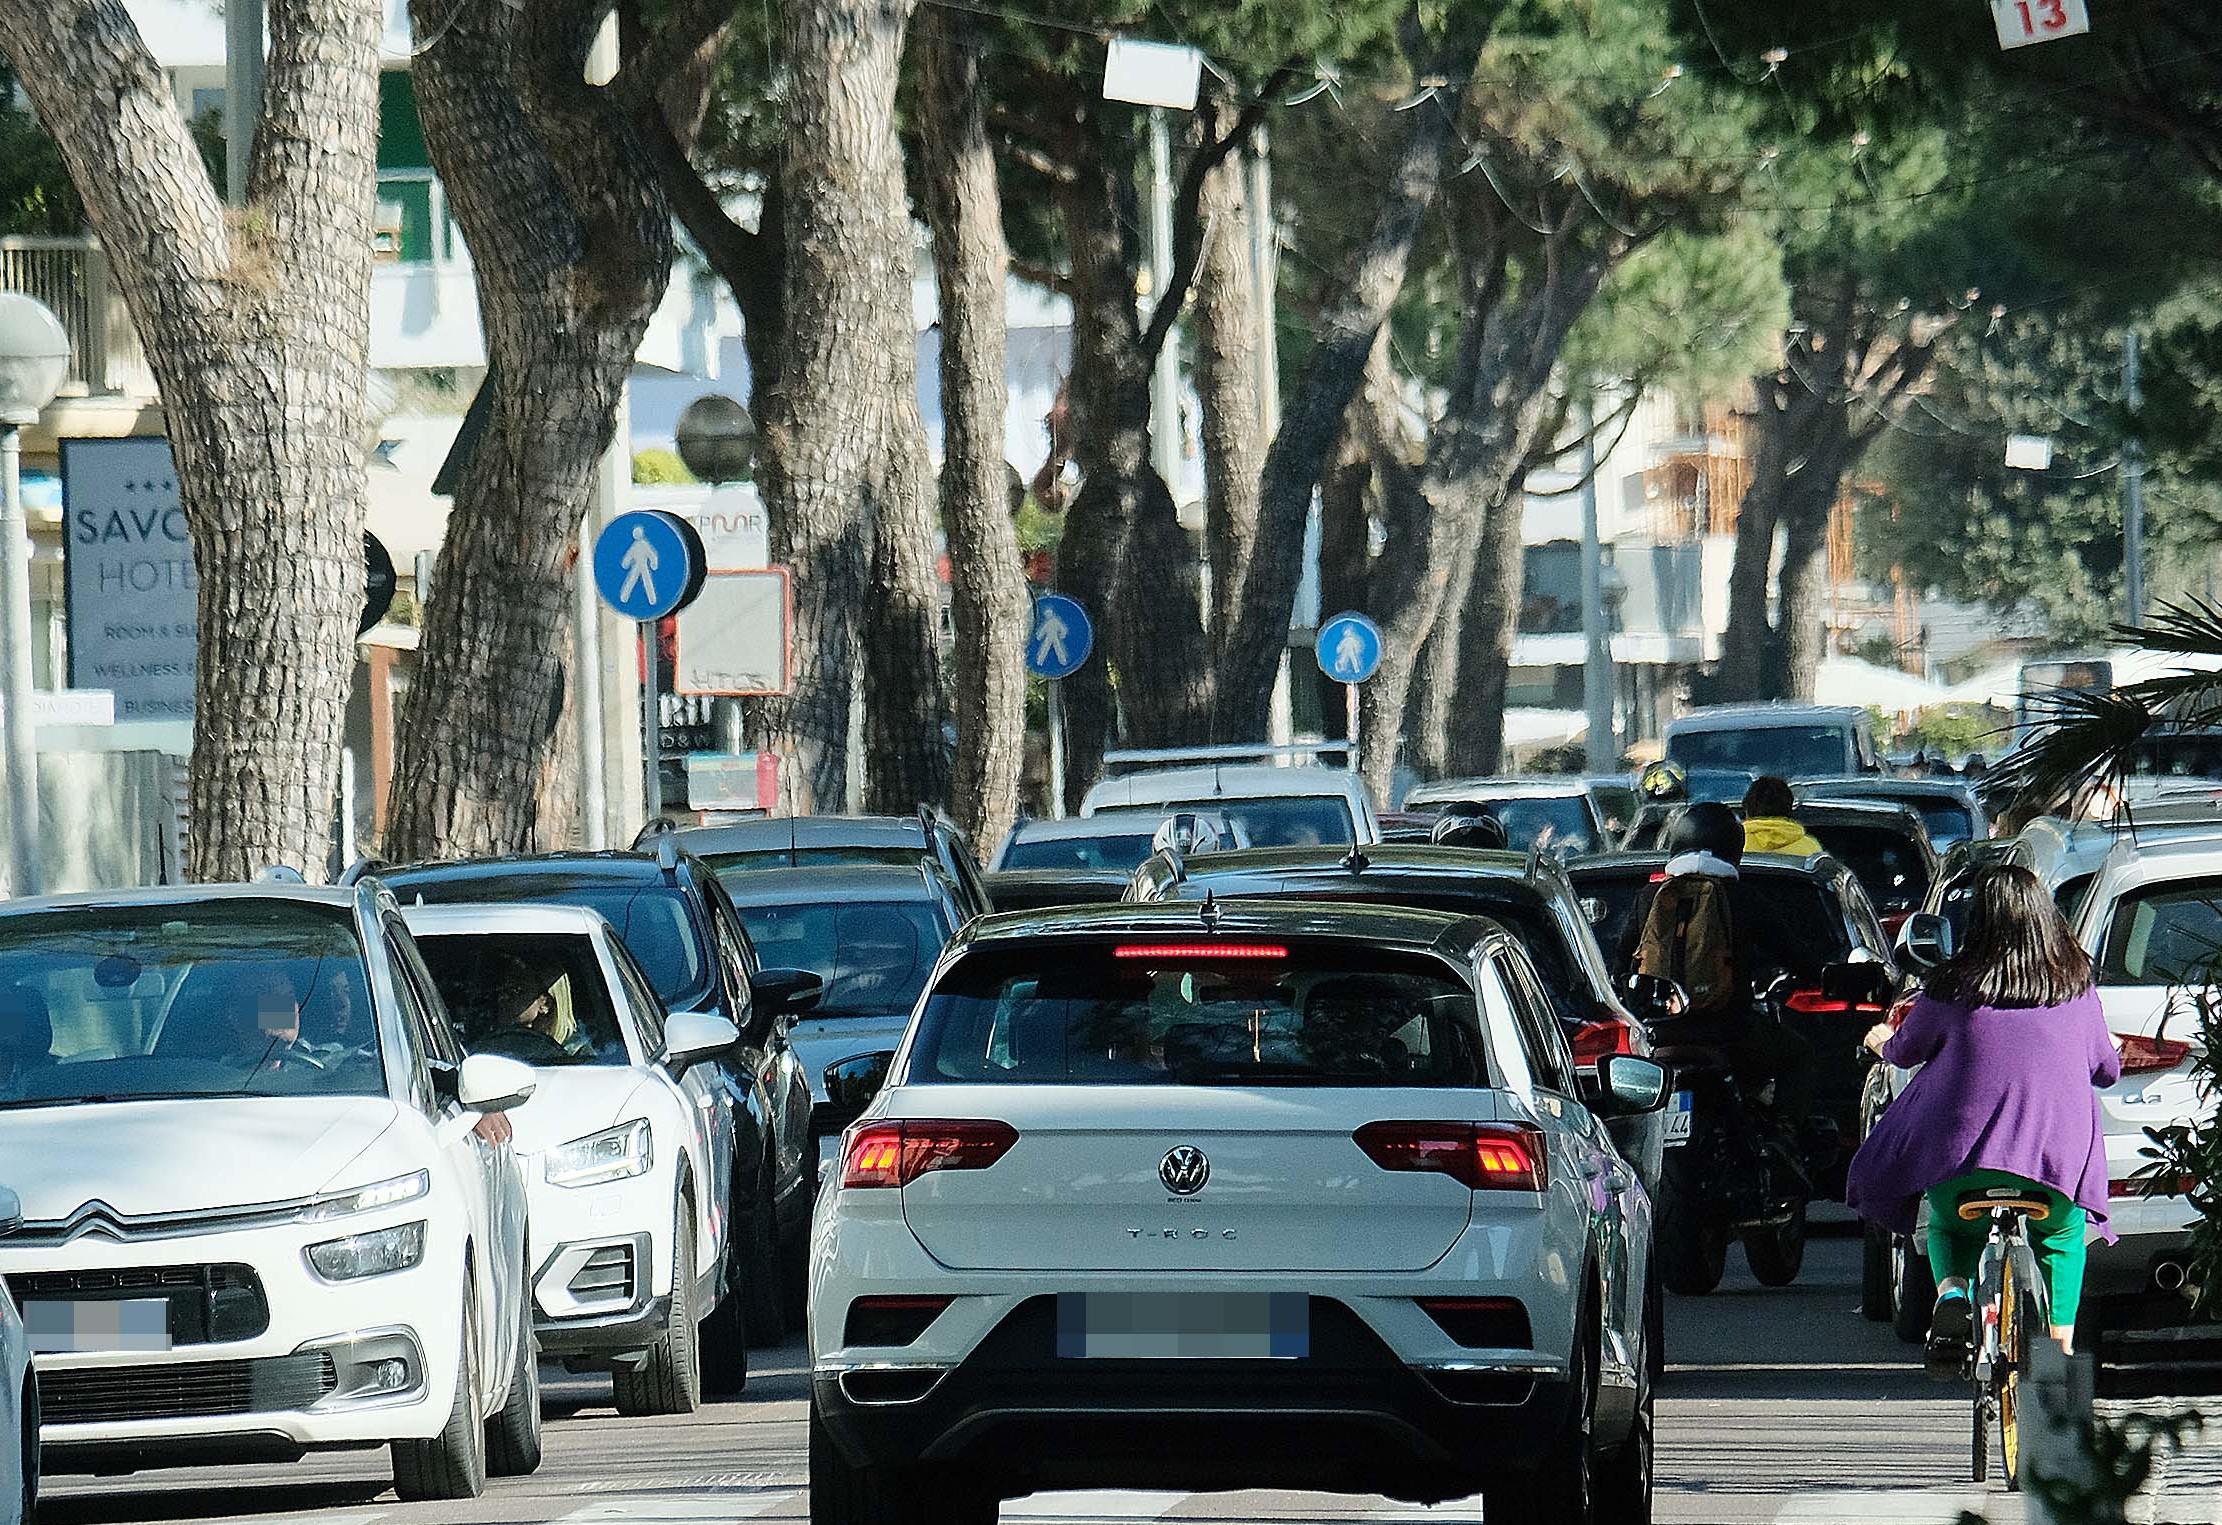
(1264,752)
(667,856)
(656,826)
(361,869)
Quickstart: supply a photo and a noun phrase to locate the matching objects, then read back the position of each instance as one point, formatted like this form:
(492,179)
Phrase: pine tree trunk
(1226,315)
(1746,660)
(257,327)
(906,758)
(1801,633)
(565,295)
(1436,701)
(828,425)
(988,603)
(1486,632)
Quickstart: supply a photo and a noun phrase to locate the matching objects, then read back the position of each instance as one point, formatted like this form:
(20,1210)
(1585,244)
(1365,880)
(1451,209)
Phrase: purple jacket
(2000,1088)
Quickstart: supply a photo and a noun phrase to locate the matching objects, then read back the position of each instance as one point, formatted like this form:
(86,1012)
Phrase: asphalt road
(1780,1406)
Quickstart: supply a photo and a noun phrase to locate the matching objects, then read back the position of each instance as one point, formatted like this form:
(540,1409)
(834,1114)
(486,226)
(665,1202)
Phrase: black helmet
(1467,825)
(1663,783)
(1707,827)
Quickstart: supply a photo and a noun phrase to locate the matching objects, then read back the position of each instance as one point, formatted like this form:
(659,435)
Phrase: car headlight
(614,1154)
(376,1253)
(366,1199)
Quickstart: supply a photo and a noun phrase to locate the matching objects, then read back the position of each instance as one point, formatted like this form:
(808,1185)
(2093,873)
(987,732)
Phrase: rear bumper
(1349,1417)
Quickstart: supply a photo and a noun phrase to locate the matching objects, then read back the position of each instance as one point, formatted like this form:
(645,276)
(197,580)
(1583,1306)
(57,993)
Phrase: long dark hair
(2017,950)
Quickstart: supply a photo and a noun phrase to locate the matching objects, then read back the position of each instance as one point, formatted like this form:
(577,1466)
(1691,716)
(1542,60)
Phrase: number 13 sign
(2022,22)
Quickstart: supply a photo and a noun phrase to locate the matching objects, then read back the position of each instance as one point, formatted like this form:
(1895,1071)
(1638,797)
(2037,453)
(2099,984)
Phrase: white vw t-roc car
(1230,1196)
(268,1204)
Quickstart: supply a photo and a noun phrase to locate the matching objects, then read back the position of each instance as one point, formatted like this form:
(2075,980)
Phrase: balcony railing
(70,275)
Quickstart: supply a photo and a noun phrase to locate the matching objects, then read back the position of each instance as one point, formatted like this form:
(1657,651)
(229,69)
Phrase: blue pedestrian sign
(1060,639)
(1349,648)
(646,565)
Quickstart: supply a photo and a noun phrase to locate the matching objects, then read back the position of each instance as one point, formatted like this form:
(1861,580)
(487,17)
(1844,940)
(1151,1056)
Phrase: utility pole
(242,91)
(1597,663)
(2133,485)
(1265,278)
(1165,380)
(605,647)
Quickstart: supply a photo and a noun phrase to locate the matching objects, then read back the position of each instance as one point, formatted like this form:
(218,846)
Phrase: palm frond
(2186,627)
(2082,737)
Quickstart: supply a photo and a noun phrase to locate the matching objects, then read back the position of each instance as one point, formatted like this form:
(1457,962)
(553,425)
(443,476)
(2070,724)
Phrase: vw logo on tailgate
(1184,1170)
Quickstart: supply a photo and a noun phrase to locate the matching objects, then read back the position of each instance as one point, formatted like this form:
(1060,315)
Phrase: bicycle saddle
(1977,1205)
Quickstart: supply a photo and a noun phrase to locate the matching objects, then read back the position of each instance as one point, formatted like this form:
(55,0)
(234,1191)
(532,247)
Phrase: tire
(1693,1253)
(794,1268)
(1564,1489)
(1778,1254)
(1624,1482)
(842,1493)
(1654,1324)
(1913,1292)
(30,1449)
(451,1465)
(1876,1304)
(513,1434)
(669,1381)
(725,1334)
(766,1305)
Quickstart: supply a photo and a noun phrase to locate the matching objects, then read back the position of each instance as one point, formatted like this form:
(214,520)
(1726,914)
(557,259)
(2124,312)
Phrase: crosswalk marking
(652,1509)
(1884,1506)
(1094,1504)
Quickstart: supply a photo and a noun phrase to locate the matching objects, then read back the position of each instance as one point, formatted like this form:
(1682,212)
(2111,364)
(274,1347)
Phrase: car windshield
(245,997)
(539,997)
(1787,922)
(656,921)
(1281,820)
(1114,849)
(1142,1013)
(1888,864)
(881,855)
(1788,751)
(1563,823)
(2164,934)
(874,956)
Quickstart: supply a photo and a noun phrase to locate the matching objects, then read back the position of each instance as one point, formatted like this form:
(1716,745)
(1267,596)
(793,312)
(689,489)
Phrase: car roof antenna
(1209,911)
(1356,860)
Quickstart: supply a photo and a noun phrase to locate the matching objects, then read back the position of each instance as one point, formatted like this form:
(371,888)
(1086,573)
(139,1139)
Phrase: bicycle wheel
(2021,1319)
(1980,1435)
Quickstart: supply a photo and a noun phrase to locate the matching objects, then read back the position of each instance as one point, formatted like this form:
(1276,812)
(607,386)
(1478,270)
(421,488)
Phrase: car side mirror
(785,992)
(489,1084)
(11,1212)
(1925,941)
(1653,997)
(693,1036)
(1628,1085)
(851,1084)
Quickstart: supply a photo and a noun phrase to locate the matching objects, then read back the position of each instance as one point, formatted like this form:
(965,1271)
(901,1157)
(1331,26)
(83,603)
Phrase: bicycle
(2012,1307)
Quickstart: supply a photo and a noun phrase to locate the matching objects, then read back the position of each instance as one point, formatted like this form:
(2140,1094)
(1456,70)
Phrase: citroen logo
(1184,1170)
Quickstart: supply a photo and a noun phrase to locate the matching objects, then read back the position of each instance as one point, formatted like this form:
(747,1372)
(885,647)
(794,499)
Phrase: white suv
(1228,1196)
(269,1205)
(628,1154)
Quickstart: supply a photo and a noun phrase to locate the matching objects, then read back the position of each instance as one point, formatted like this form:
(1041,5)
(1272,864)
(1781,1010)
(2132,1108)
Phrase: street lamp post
(34,357)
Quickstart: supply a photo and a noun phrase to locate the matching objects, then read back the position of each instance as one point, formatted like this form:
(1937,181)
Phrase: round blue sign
(1349,648)
(646,565)
(1060,639)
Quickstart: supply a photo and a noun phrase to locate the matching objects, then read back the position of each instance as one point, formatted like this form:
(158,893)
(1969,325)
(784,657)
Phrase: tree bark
(1226,315)
(256,323)
(828,426)
(1801,635)
(988,588)
(1487,630)
(570,239)
(1312,420)
(1431,714)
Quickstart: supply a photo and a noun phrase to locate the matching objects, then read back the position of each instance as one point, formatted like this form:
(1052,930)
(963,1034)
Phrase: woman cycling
(2010,1041)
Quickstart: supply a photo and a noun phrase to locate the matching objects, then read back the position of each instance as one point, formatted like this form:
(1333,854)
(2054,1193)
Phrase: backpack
(1687,939)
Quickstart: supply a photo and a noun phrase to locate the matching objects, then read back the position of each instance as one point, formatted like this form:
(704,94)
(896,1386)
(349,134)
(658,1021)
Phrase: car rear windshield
(2164,934)
(874,956)
(877,855)
(1280,820)
(656,921)
(246,997)
(1233,1013)
(539,997)
(1790,922)
(1888,865)
(1947,820)
(1789,751)
(1120,850)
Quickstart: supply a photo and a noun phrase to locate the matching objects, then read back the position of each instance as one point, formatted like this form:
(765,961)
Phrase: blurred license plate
(132,1324)
(1678,1115)
(1184,1326)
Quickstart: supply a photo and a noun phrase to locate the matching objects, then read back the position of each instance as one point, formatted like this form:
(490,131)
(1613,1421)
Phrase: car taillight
(1482,1156)
(1592,1041)
(2152,1186)
(1893,920)
(2144,1056)
(1812,1003)
(898,1153)
(1199,953)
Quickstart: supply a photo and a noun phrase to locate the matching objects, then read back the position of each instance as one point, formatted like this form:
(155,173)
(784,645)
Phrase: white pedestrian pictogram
(640,562)
(1049,636)
(1350,652)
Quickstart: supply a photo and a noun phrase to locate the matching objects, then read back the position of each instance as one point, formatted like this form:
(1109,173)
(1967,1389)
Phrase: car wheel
(1624,1482)
(1913,1291)
(1777,1254)
(30,1448)
(842,1493)
(1875,1303)
(513,1435)
(669,1380)
(1693,1252)
(452,1464)
(794,1270)
(725,1332)
(767,1306)
(1564,1489)
(1654,1336)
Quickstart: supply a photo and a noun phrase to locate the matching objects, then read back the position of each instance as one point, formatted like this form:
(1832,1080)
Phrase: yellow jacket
(1778,834)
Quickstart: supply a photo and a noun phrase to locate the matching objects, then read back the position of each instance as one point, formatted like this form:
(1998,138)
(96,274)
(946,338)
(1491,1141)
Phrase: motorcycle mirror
(1653,996)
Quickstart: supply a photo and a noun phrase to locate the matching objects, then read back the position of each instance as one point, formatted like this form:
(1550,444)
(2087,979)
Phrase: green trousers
(1956,1245)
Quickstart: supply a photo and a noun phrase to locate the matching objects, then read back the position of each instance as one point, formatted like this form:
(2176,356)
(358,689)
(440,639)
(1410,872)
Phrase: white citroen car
(19,1397)
(1233,1196)
(627,1150)
(269,1206)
